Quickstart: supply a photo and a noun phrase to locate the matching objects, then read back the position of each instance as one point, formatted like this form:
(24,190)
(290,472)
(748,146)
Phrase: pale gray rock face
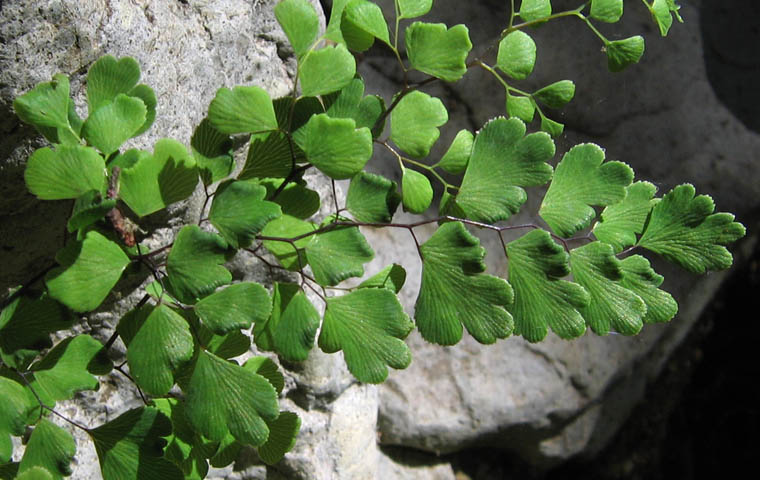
(546,401)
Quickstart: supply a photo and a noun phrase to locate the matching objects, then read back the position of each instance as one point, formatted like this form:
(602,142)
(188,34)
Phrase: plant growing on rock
(202,406)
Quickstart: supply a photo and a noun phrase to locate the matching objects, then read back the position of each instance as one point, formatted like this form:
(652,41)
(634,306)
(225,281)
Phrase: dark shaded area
(731,36)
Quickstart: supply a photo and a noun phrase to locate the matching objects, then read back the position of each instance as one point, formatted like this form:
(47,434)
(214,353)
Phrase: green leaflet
(581,180)
(155,181)
(50,447)
(369,325)
(620,222)
(235,307)
(372,198)
(25,328)
(242,110)
(212,151)
(300,23)
(70,367)
(107,78)
(69,171)
(46,105)
(556,95)
(502,162)
(517,55)
(131,446)
(625,52)
(684,229)
(267,368)
(108,127)
(663,12)
(184,447)
(531,10)
(413,8)
(457,156)
(612,306)
(333,31)
(454,292)
(159,342)
(290,254)
(292,327)
(239,211)
(335,146)
(295,199)
(542,299)
(415,122)
(416,191)
(338,254)
(272,155)
(326,70)
(89,270)
(523,108)
(283,432)
(438,51)
(639,277)
(18,409)
(223,397)
(195,263)
(350,103)
(391,277)
(367,18)
(608,11)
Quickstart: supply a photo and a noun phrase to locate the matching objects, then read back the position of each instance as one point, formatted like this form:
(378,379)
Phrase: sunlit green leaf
(155,181)
(336,147)
(517,55)
(130,447)
(114,123)
(622,221)
(18,408)
(70,367)
(622,53)
(457,156)
(413,8)
(291,255)
(369,325)
(69,171)
(556,95)
(372,198)
(239,211)
(107,78)
(212,151)
(223,397)
(338,254)
(503,161)
(242,110)
(46,105)
(551,127)
(639,277)
(89,270)
(295,199)
(416,191)
(583,179)
(438,51)
(455,292)
(159,342)
(234,307)
(521,107)
(684,229)
(608,11)
(415,122)
(326,70)
(542,299)
(531,10)
(662,13)
(366,17)
(612,306)
(51,448)
(292,327)
(195,263)
(300,23)
(391,277)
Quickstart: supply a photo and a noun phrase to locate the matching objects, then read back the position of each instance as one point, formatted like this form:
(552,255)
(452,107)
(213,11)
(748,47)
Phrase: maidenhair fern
(194,320)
